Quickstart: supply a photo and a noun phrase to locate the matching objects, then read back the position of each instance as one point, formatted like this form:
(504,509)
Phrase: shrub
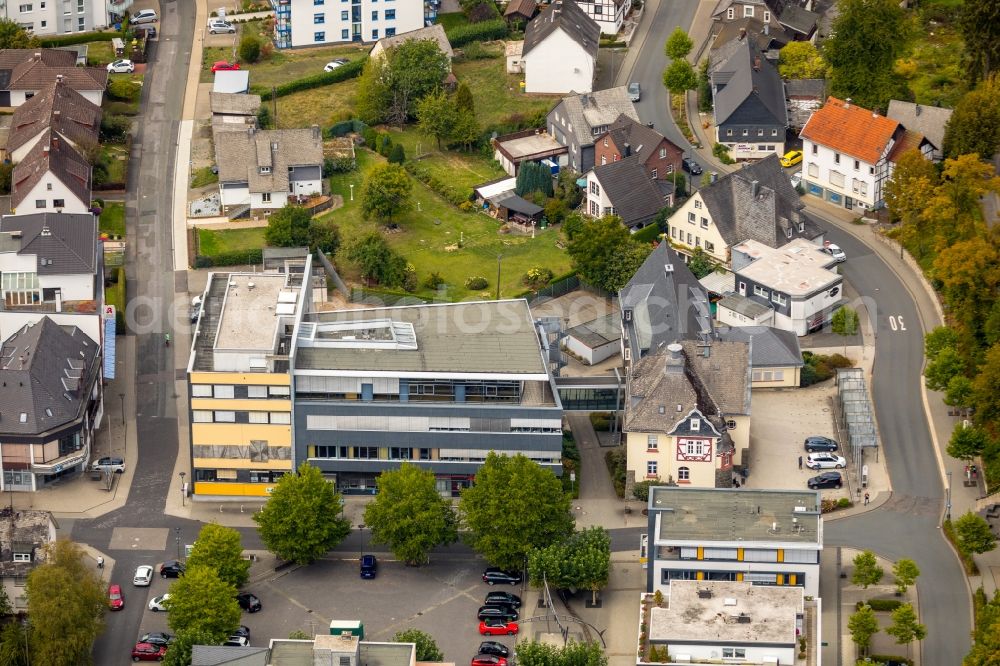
(52,42)
(615,460)
(433,281)
(397,155)
(6,171)
(884,605)
(477,32)
(115,128)
(124,89)
(890,658)
(600,421)
(230,258)
(844,503)
(476,51)
(249,48)
(537,277)
(476,283)
(721,151)
(384,143)
(369,135)
(351,70)
(449,192)
(647,234)
(483,11)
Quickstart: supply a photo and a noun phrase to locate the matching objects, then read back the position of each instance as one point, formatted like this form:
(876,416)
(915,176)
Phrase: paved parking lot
(440,598)
(781,420)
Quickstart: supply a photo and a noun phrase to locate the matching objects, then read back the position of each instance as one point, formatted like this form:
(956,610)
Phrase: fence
(346,127)
(383,298)
(565,286)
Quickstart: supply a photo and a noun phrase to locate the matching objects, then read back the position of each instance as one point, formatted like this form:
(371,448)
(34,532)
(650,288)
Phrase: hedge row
(450,193)
(884,605)
(78,38)
(115,295)
(232,258)
(477,32)
(349,71)
(647,234)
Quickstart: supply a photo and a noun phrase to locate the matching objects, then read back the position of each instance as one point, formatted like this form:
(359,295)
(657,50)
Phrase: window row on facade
(355,452)
(229,416)
(241,392)
(794,579)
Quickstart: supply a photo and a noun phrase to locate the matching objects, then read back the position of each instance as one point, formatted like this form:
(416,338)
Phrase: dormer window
(695,424)
(22,557)
(265,169)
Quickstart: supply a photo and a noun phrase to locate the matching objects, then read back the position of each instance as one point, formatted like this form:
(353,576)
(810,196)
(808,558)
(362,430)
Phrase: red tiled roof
(850,129)
(909,140)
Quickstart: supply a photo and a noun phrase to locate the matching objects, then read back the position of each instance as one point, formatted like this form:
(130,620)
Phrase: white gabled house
(560,50)
(267,169)
(52,178)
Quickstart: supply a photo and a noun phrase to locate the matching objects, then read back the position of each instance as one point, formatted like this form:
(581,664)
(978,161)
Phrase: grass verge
(112,220)
(213,242)
(203,176)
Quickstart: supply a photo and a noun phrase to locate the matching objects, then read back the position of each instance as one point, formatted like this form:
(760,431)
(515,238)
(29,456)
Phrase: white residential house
(560,50)
(848,153)
(42,17)
(313,22)
(24,534)
(434,33)
(265,169)
(58,108)
(52,177)
(625,188)
(798,281)
(51,265)
(609,14)
(768,537)
(26,72)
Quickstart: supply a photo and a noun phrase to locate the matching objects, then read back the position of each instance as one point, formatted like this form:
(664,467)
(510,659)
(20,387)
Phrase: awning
(512,202)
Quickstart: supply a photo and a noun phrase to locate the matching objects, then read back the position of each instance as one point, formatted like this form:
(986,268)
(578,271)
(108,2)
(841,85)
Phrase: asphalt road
(649,66)
(909,524)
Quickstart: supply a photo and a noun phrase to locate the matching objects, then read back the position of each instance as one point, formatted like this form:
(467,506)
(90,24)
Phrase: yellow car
(791,158)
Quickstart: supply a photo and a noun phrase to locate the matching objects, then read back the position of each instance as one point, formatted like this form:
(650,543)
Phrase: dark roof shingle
(64,243)
(55,156)
(747,76)
(567,16)
(631,189)
(60,107)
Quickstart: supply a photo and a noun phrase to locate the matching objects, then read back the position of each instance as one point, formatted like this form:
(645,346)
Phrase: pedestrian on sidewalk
(800,462)
(100,562)
(866,499)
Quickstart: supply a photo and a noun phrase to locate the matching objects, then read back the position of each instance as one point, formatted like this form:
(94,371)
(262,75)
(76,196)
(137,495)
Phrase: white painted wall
(811,571)
(733,318)
(702,229)
(53,17)
(308,187)
(409,17)
(278,200)
(19,97)
(73,287)
(598,204)
(610,18)
(593,355)
(234,196)
(820,165)
(41,192)
(754,654)
(558,65)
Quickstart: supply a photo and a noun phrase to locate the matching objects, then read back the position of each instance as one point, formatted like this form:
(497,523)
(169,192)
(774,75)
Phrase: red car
(494,626)
(223,66)
(488,660)
(148,652)
(116,600)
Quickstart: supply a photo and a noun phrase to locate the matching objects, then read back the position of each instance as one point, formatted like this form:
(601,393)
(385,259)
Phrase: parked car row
(823,455)
(497,617)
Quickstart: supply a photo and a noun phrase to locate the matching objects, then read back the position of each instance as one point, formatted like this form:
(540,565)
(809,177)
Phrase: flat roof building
(239,383)
(766,537)
(439,386)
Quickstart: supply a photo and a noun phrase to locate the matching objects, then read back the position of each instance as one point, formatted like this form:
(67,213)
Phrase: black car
(505,613)
(248,602)
(242,630)
(826,480)
(504,598)
(818,443)
(157,638)
(691,166)
(492,576)
(172,569)
(494,648)
(369,566)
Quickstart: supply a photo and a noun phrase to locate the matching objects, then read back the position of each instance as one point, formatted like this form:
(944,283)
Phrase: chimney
(56,114)
(316,134)
(755,188)
(627,150)
(675,360)
(38,55)
(59,79)
(45,231)
(847,103)
(55,141)
(712,177)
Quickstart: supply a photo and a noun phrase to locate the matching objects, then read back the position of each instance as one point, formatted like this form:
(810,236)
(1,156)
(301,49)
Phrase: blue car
(369,566)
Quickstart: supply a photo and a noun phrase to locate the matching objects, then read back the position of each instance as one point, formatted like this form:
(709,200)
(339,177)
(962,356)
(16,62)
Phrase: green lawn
(430,236)
(115,159)
(128,107)
(212,242)
(464,169)
(203,176)
(99,53)
(452,20)
(318,106)
(498,94)
(940,76)
(112,221)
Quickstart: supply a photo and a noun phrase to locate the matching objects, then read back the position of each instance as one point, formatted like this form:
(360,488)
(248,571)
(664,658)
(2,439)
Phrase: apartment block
(312,22)
(56,17)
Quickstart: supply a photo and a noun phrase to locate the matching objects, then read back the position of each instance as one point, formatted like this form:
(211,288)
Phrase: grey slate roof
(752,89)
(34,69)
(811,88)
(434,33)
(927,120)
(24,531)
(724,369)
(512,201)
(240,156)
(641,138)
(596,109)
(46,373)
(632,191)
(598,332)
(769,347)
(567,16)
(798,19)
(64,243)
(236,104)
(743,305)
(60,108)
(50,155)
(524,8)
(666,306)
(747,28)
(222,655)
(767,217)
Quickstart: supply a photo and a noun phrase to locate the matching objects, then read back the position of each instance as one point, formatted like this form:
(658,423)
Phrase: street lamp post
(362,528)
(499,257)
(947,506)
(177,538)
(183,490)
(121,396)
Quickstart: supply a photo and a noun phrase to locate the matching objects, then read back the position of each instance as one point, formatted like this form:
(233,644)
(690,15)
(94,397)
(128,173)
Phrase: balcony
(78,307)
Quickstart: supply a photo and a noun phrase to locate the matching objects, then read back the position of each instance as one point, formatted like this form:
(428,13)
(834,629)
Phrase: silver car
(143,576)
(634,91)
(143,16)
(825,461)
(216,27)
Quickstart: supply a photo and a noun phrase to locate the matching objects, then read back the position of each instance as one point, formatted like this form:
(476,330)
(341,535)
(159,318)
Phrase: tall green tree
(221,548)
(581,561)
(844,321)
(907,194)
(678,78)
(974,534)
(377,261)
(863,625)
(301,521)
(986,389)
(427,648)
(288,227)
(905,572)
(516,505)
(867,38)
(801,60)
(373,96)
(179,652)
(986,636)
(466,131)
(437,115)
(701,263)
(385,191)
(866,569)
(604,253)
(464,100)
(534,653)
(946,365)
(967,442)
(391,84)
(14,645)
(678,44)
(66,604)
(409,515)
(979,23)
(905,627)
(201,602)
(974,126)
(13,36)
